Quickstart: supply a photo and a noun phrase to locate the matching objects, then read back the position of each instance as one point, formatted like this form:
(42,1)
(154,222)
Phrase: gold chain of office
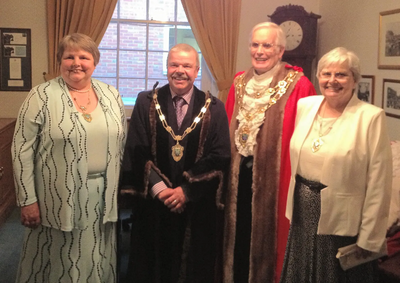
(275,94)
(177,149)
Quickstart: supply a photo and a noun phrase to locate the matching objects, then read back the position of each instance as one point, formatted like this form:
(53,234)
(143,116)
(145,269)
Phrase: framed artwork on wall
(391,97)
(15,59)
(366,89)
(389,43)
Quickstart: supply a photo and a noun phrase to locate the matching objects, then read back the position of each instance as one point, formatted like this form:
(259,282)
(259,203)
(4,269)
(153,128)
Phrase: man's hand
(30,215)
(174,199)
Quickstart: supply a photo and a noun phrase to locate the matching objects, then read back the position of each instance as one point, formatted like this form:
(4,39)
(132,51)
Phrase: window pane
(132,64)
(159,37)
(115,14)
(133,9)
(110,37)
(201,68)
(181,17)
(197,83)
(108,64)
(132,36)
(157,64)
(110,81)
(162,10)
(185,35)
(151,82)
(130,88)
(134,49)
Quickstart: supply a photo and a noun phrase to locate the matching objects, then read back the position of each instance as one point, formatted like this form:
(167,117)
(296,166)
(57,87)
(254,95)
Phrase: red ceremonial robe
(302,88)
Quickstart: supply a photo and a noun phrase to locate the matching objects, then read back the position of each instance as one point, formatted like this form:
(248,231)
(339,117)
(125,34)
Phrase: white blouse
(311,163)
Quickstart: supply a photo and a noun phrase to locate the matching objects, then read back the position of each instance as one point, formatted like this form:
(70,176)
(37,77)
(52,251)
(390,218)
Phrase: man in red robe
(261,108)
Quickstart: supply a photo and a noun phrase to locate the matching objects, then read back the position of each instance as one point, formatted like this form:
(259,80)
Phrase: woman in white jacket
(341,177)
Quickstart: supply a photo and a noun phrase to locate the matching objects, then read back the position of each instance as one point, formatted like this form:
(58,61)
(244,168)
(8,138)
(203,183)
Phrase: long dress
(81,255)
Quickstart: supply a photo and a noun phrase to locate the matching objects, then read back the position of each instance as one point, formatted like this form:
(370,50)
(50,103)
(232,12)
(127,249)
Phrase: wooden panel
(7,189)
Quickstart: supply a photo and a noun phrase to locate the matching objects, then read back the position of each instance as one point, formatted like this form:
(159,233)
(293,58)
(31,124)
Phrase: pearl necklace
(79,90)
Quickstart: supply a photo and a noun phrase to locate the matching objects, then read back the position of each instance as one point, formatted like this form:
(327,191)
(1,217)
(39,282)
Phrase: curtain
(90,17)
(215,25)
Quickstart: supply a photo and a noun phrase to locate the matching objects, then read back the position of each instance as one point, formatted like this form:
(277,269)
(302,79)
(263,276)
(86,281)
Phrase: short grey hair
(280,35)
(338,56)
(185,48)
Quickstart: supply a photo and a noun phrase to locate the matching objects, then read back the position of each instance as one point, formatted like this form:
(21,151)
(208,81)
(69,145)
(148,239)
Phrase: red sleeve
(303,88)
(230,101)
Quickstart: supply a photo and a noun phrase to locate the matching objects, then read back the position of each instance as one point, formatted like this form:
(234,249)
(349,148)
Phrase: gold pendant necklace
(177,149)
(86,116)
(318,142)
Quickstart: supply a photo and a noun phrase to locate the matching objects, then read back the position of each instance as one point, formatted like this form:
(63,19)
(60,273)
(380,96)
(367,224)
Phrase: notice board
(15,59)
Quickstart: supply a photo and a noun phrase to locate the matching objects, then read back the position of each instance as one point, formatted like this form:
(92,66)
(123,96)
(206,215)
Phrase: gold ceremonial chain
(177,150)
(275,92)
(260,92)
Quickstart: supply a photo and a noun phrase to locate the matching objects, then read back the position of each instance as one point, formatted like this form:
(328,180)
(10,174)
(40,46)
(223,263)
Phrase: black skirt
(310,257)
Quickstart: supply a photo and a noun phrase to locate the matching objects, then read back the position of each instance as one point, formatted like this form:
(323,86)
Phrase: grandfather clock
(300,28)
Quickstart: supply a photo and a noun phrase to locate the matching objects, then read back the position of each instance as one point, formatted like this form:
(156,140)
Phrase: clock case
(304,54)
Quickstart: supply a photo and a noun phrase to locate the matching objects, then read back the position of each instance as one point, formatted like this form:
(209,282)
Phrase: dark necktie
(179,102)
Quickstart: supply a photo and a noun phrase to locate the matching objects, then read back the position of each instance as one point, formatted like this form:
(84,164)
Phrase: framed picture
(15,59)
(391,97)
(389,44)
(366,89)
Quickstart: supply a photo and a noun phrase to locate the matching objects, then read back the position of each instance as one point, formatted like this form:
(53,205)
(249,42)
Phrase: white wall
(25,14)
(355,25)
(257,11)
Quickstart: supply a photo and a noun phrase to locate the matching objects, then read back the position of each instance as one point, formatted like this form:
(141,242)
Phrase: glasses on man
(265,46)
(340,76)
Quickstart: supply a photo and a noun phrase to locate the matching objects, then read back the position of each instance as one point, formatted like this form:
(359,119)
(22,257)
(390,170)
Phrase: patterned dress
(70,168)
(310,257)
(51,255)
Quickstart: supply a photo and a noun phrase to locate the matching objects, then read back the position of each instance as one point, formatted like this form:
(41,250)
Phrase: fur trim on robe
(201,176)
(265,187)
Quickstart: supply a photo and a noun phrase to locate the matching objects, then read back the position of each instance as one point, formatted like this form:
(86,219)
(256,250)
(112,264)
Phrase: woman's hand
(30,215)
(361,253)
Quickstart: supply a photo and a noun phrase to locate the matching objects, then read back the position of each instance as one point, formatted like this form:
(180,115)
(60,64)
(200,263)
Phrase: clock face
(294,34)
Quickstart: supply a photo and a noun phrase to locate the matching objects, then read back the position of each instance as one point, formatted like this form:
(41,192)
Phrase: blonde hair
(78,41)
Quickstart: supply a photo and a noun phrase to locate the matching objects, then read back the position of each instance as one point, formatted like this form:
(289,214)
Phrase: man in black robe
(175,172)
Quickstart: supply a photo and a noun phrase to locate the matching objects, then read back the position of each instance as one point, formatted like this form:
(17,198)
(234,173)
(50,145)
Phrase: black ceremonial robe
(166,246)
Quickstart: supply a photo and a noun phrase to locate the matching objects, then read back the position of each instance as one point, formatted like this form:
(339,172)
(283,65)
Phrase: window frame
(128,100)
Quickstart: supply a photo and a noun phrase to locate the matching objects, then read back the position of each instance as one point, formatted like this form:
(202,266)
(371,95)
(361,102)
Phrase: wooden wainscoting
(7,190)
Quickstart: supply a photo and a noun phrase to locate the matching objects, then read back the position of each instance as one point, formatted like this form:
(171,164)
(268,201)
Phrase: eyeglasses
(265,46)
(338,76)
